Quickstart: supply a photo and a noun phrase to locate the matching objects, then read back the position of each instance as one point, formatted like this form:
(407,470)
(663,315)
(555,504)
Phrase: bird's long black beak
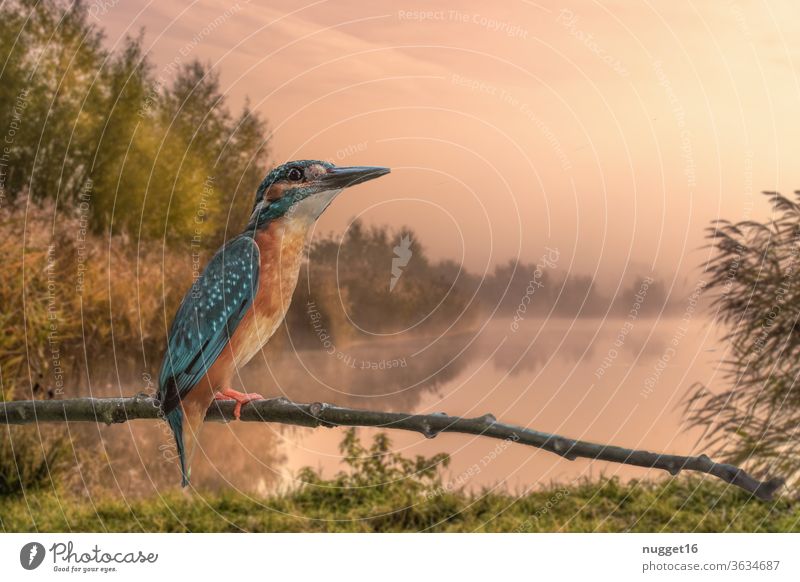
(336,178)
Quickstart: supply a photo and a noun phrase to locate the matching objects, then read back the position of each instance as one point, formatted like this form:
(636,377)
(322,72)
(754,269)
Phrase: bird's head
(303,189)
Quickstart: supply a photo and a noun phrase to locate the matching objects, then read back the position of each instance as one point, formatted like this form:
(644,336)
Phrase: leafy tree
(348,279)
(156,162)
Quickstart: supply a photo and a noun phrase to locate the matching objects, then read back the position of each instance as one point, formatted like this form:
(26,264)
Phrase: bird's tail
(175,420)
(186,422)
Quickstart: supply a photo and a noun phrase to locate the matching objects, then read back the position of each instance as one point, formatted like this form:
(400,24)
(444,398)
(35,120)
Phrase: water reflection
(556,375)
(550,375)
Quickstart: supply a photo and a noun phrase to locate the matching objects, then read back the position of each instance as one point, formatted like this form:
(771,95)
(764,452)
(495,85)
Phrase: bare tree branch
(142,406)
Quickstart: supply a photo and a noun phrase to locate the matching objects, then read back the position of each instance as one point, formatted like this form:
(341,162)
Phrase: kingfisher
(240,299)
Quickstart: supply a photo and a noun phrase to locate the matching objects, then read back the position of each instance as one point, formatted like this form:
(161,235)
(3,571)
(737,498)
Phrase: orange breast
(281,247)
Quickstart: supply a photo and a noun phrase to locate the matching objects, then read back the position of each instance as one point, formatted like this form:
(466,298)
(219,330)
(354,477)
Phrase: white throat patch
(311,208)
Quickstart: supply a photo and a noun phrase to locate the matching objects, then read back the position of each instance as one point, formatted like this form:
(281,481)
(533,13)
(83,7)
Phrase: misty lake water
(583,378)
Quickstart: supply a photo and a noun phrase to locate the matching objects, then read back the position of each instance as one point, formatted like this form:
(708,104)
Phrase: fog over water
(599,380)
(615,137)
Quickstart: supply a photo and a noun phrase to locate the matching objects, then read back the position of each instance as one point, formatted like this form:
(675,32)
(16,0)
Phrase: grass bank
(606,506)
(381,491)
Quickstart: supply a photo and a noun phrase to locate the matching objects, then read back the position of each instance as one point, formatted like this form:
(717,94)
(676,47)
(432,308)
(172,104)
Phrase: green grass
(385,492)
(606,506)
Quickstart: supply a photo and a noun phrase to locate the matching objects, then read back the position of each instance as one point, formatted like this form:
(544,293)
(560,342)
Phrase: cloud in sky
(614,132)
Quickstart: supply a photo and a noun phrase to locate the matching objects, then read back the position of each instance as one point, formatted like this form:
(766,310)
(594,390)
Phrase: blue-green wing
(208,317)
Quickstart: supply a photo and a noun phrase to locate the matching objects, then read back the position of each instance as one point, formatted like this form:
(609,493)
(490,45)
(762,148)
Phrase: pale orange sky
(612,131)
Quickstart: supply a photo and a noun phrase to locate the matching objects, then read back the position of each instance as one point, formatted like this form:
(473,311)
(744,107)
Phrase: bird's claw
(241,398)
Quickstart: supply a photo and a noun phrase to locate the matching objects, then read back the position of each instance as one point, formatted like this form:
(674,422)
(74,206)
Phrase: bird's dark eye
(295,174)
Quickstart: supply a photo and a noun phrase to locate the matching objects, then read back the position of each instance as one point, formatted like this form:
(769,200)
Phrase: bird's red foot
(241,398)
